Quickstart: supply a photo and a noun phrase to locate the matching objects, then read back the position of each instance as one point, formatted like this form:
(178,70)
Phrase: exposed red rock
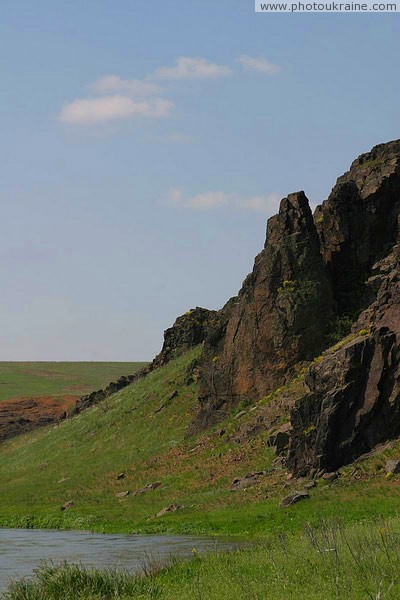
(24,414)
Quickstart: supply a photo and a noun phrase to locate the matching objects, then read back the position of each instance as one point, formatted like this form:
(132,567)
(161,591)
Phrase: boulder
(392,466)
(242,483)
(122,494)
(294,497)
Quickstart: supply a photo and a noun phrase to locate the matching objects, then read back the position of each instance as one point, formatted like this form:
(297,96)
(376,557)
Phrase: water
(23,550)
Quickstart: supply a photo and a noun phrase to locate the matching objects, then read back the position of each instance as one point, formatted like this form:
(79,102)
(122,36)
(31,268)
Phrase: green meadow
(32,379)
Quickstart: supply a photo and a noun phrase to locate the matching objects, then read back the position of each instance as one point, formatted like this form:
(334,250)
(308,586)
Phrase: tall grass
(352,563)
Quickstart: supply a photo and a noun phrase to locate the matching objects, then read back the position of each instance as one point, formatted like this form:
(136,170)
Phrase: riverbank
(23,551)
(353,562)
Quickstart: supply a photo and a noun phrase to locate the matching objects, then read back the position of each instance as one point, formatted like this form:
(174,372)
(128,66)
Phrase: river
(23,550)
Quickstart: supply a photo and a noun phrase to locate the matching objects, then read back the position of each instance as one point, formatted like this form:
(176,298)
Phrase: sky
(144,145)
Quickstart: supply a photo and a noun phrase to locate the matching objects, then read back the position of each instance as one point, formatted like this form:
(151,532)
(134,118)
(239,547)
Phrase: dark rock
(192,372)
(280,438)
(392,466)
(188,331)
(279,318)
(359,221)
(353,402)
(293,498)
(148,488)
(242,483)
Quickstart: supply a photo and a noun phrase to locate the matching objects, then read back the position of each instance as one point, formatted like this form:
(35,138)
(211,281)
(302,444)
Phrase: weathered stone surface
(392,466)
(294,497)
(148,488)
(122,494)
(280,438)
(353,401)
(188,331)
(279,318)
(330,477)
(310,485)
(169,509)
(242,483)
(353,398)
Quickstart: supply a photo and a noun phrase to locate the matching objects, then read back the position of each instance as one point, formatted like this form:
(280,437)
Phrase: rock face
(353,397)
(353,401)
(359,222)
(279,318)
(342,262)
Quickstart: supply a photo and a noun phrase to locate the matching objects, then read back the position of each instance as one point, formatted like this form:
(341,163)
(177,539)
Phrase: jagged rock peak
(294,217)
(370,169)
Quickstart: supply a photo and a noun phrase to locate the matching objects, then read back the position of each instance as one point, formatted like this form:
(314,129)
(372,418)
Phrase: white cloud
(132,87)
(110,108)
(259,64)
(193,68)
(205,200)
(212,200)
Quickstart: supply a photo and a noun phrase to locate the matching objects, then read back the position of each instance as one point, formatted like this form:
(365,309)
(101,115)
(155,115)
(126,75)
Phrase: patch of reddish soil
(24,414)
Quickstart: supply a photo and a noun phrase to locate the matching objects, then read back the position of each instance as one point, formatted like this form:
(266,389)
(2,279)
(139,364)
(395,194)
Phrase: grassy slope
(80,459)
(30,379)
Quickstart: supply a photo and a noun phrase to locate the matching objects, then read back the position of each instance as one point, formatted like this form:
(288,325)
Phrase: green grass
(32,379)
(355,563)
(79,459)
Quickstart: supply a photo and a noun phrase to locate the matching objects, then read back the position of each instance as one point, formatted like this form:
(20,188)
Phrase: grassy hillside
(32,379)
(141,431)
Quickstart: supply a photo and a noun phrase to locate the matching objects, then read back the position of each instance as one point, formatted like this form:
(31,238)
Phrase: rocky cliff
(315,271)
(279,318)
(352,398)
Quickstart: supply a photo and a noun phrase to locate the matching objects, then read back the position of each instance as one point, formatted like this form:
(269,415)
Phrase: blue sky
(144,144)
